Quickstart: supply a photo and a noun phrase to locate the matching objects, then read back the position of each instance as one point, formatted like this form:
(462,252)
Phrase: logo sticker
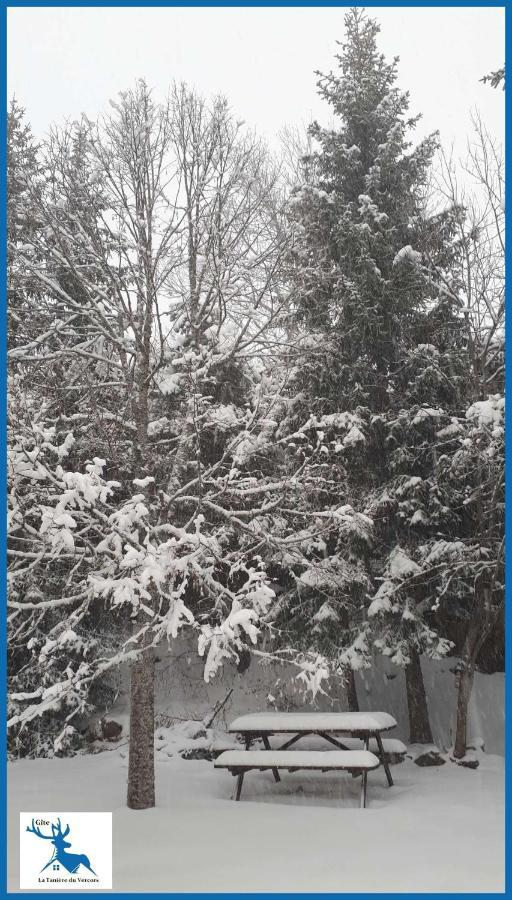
(66,851)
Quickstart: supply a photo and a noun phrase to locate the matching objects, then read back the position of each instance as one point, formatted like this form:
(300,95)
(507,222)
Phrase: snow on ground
(438,829)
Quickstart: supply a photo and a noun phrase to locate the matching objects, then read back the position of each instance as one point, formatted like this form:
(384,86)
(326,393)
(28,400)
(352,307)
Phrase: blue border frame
(4,5)
(3,442)
(508,484)
(283,3)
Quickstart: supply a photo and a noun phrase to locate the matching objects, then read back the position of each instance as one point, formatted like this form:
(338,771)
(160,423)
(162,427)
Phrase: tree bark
(466,677)
(475,637)
(353,702)
(419,723)
(141,767)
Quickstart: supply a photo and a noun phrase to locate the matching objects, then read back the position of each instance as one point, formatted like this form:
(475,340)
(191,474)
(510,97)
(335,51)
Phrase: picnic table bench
(366,727)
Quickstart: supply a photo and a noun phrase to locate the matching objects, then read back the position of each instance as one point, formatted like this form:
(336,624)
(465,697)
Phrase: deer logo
(69,861)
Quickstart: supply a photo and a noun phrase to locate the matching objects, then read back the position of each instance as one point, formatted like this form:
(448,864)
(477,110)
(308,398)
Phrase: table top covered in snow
(282,722)
(297,759)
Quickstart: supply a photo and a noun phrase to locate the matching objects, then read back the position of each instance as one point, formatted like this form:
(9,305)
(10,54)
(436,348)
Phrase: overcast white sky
(62,62)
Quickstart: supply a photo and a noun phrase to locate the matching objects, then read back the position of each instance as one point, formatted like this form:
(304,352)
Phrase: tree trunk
(141,768)
(419,723)
(475,637)
(466,677)
(353,703)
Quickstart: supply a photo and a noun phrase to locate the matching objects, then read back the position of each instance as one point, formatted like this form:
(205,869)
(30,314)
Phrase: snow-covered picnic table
(362,723)
(366,727)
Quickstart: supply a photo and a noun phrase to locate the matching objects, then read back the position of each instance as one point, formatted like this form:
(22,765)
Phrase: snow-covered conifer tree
(375,362)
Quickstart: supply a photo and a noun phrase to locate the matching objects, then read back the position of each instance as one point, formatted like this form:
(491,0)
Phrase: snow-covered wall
(383,687)
(183,693)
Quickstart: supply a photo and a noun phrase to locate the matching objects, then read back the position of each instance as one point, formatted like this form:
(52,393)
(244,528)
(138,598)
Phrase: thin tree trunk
(466,677)
(353,702)
(419,723)
(141,768)
(475,637)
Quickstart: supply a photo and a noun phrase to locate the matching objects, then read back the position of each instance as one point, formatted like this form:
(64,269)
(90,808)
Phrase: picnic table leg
(384,760)
(294,740)
(332,740)
(267,746)
(362,801)
(239,783)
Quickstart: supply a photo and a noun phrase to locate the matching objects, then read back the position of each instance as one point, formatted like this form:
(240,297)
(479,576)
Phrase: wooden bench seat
(241,761)
(392,746)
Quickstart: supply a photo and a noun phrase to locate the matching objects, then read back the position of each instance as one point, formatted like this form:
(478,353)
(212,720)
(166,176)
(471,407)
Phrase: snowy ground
(438,829)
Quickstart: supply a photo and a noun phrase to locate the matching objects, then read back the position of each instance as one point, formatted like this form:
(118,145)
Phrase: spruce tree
(380,357)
